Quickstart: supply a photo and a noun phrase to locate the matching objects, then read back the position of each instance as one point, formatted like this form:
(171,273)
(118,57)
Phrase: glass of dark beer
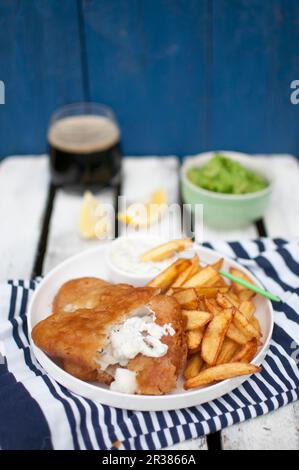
(84,146)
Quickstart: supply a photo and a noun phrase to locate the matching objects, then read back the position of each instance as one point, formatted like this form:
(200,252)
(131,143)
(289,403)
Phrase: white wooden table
(39,230)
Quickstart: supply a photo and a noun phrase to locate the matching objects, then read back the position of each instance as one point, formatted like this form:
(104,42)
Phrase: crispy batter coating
(78,293)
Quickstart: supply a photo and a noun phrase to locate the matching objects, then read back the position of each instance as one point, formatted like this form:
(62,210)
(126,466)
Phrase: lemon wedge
(93,222)
(158,197)
(144,214)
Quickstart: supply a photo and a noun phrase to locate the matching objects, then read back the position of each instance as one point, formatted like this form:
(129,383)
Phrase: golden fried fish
(127,328)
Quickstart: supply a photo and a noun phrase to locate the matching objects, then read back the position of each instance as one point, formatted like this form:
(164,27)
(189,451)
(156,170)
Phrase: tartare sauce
(126,253)
(137,335)
(124,381)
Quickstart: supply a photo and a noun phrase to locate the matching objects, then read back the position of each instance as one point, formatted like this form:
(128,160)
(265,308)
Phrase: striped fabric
(38,413)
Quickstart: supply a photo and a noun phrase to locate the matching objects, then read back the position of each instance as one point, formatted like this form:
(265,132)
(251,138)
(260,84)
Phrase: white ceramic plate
(92,263)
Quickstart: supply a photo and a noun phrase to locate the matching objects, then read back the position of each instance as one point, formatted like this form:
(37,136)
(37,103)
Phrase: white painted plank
(23,192)
(281,218)
(63,238)
(192,444)
(280,429)
(141,176)
(276,431)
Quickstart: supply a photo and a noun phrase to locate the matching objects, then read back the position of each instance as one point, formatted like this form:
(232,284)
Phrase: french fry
(233,298)
(256,324)
(187,298)
(194,339)
(162,252)
(242,275)
(247,308)
(236,335)
(223,300)
(221,372)
(176,290)
(179,281)
(194,365)
(196,267)
(192,273)
(228,350)
(205,277)
(240,320)
(189,272)
(195,261)
(243,324)
(170,291)
(214,336)
(210,292)
(212,306)
(220,282)
(201,305)
(196,318)
(246,294)
(166,277)
(247,352)
(238,289)
(218,264)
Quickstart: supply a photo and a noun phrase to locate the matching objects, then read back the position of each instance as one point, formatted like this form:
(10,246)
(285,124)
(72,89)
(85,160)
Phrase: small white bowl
(120,275)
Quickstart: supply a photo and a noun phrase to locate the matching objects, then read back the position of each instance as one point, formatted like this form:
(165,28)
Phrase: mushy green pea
(224,175)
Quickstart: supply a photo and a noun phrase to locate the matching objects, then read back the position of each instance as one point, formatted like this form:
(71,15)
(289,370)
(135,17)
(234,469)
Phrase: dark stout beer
(84,151)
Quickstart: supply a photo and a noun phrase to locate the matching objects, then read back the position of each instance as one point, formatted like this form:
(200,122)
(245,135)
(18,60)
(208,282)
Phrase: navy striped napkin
(38,413)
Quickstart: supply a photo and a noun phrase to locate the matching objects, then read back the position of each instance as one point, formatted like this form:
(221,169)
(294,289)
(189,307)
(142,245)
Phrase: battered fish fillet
(76,339)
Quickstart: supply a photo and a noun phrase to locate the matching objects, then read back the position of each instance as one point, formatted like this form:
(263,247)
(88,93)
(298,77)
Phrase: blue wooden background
(183,76)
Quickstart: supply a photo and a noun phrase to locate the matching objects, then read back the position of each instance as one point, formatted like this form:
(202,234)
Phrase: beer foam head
(83,134)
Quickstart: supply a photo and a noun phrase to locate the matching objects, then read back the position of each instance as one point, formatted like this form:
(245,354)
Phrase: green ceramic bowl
(227,211)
